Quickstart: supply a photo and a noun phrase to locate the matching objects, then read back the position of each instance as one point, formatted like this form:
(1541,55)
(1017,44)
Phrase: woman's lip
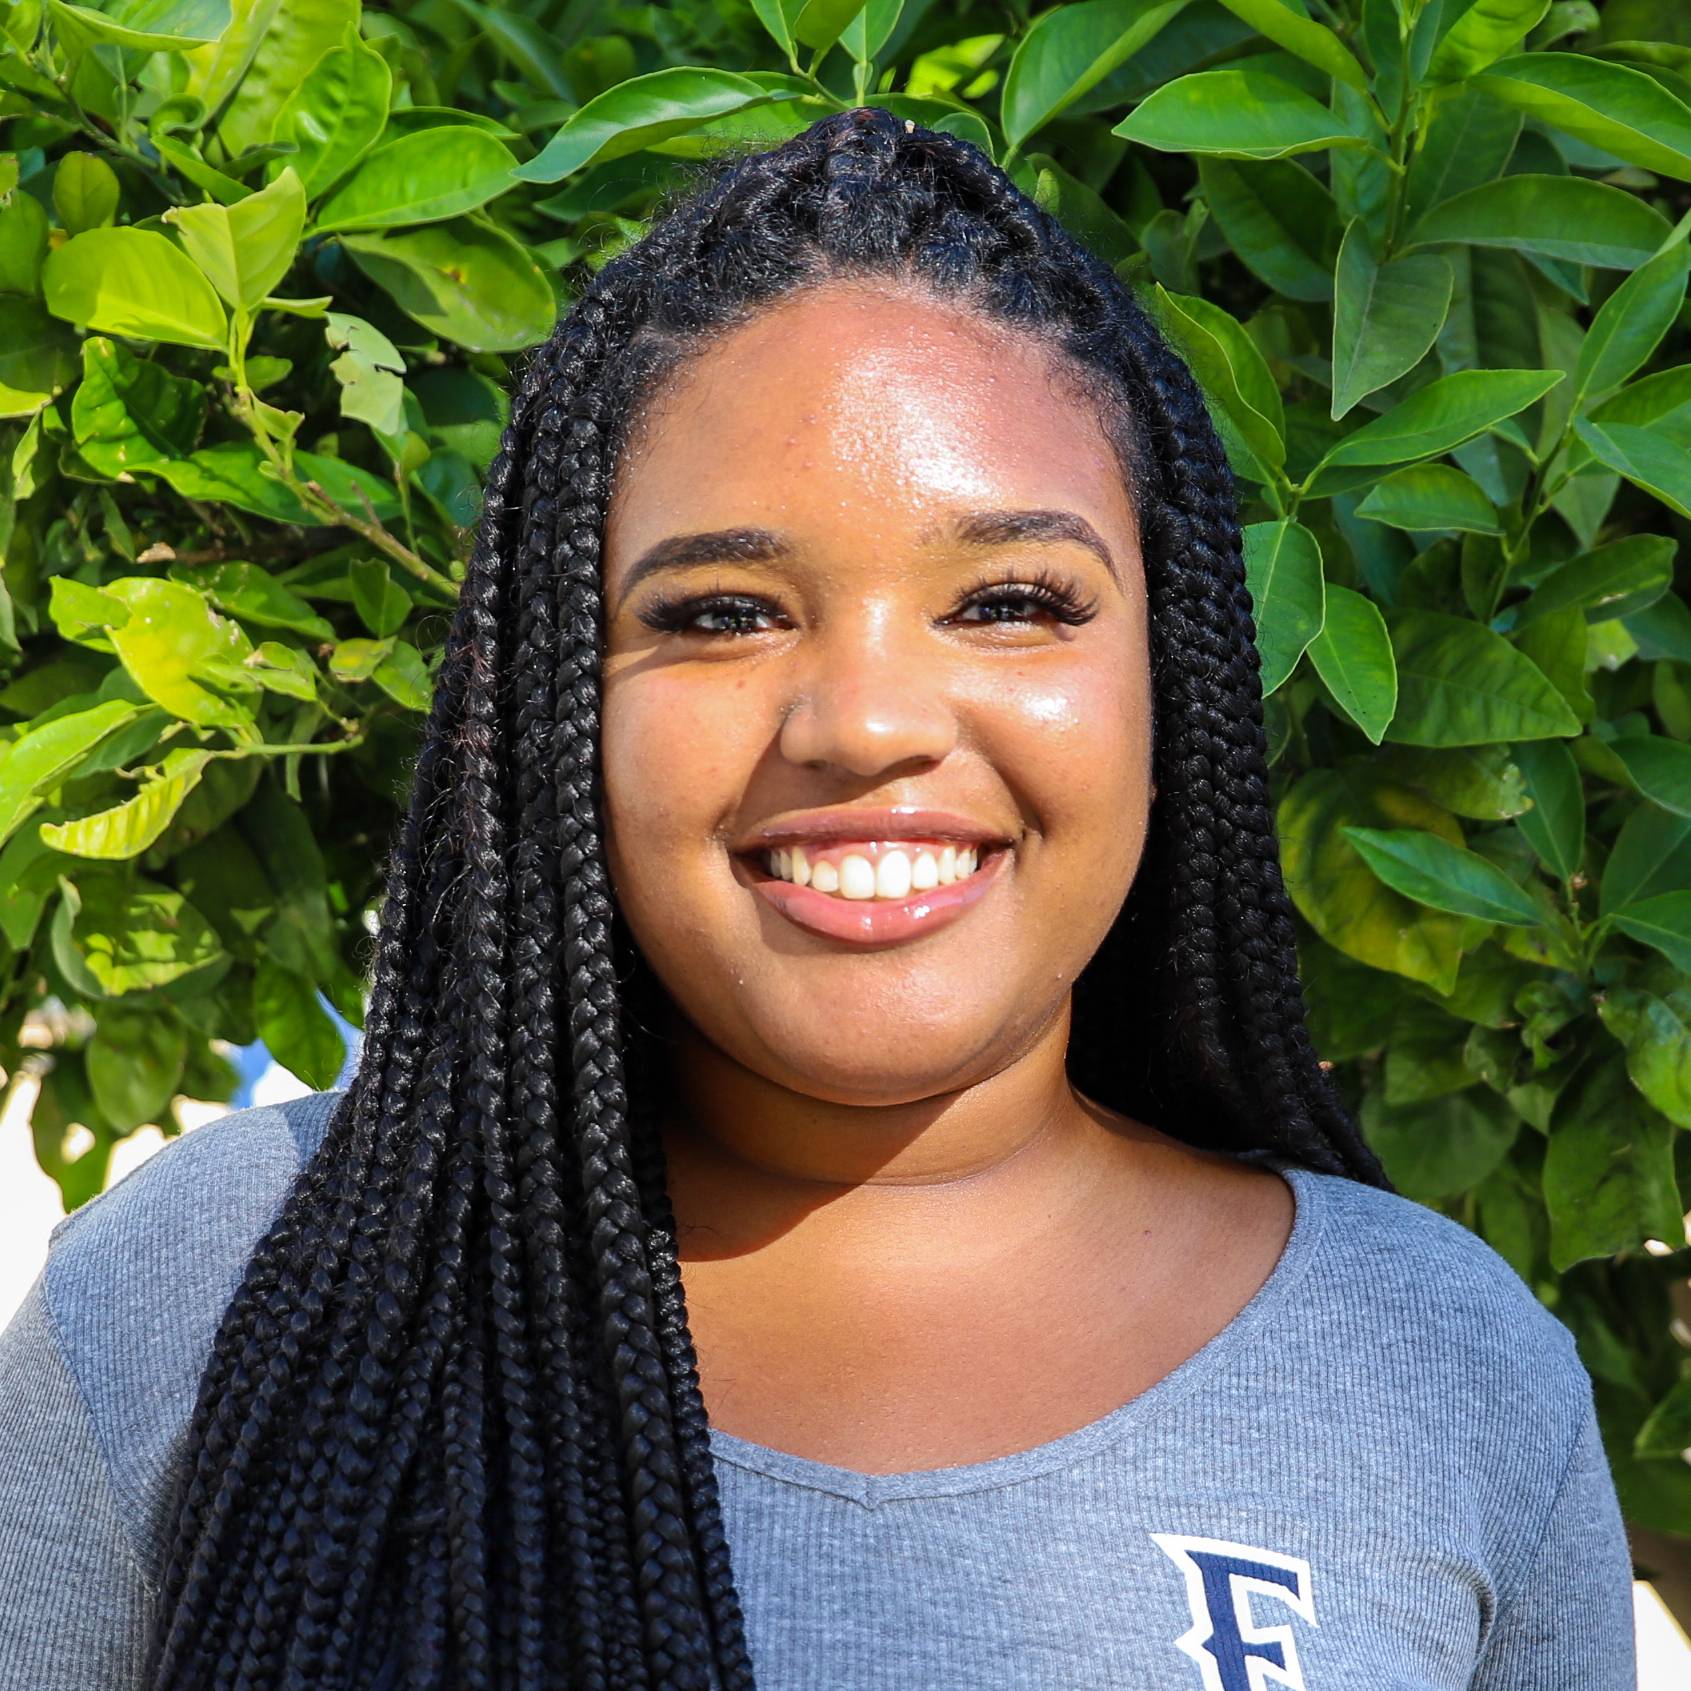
(875,921)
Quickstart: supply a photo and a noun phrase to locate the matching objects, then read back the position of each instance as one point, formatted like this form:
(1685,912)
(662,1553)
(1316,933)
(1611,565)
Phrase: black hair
(452,1411)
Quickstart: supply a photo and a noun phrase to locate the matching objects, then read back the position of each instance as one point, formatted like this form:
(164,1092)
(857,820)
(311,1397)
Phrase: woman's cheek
(1067,734)
(675,769)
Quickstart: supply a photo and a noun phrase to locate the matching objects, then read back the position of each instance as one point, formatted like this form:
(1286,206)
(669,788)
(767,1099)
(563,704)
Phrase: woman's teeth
(892,874)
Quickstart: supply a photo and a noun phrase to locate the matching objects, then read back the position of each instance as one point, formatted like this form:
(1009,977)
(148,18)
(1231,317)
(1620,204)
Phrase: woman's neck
(749,1160)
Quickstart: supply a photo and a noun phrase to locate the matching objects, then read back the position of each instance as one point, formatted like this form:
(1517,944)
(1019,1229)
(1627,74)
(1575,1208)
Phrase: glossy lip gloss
(874,921)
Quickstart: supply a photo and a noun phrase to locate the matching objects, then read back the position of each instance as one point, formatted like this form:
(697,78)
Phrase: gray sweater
(1383,1475)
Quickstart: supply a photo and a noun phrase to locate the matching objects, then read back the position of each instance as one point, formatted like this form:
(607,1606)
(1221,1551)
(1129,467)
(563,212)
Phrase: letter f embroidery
(1234,1652)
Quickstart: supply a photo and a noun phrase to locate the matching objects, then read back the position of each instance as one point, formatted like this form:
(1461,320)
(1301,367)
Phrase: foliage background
(266,265)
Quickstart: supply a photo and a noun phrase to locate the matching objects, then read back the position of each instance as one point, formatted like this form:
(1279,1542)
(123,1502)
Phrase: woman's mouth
(873,891)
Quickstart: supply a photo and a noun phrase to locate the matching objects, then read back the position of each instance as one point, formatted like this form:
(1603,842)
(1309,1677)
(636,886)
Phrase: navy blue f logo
(1234,1652)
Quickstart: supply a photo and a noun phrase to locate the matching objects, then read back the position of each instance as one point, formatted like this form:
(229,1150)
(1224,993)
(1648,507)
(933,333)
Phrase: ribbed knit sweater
(1383,1475)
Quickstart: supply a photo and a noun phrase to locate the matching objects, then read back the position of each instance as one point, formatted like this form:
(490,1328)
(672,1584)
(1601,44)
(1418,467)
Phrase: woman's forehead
(849,406)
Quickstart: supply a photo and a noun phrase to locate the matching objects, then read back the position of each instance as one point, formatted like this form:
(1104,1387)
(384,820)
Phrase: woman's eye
(732,616)
(714,615)
(1023,601)
(1005,607)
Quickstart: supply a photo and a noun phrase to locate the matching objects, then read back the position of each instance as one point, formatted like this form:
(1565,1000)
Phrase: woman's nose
(867,696)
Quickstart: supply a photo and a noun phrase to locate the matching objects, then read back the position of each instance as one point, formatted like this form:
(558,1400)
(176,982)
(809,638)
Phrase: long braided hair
(450,1428)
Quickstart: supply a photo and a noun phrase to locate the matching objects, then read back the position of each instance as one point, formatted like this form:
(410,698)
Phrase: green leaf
(421,178)
(1385,316)
(1278,218)
(118,936)
(1283,574)
(1466,138)
(130,413)
(247,248)
(450,484)
(532,50)
(1232,372)
(1067,51)
(133,282)
(632,115)
(1439,416)
(183,656)
(1660,768)
(817,24)
(127,829)
(42,757)
(1353,656)
(1615,580)
(1663,922)
(368,370)
(466,412)
(1459,684)
(870,29)
(1238,113)
(1559,646)
(234,473)
(1426,497)
(383,605)
(1312,42)
(403,676)
(1662,396)
(302,936)
(1447,877)
(283,669)
(1607,105)
(37,357)
(464,281)
(1443,1147)
(1666,1431)
(29,872)
(85,192)
(1555,826)
(356,660)
(1561,217)
(1341,897)
(251,71)
(83,613)
(297,1029)
(23,244)
(1608,1170)
(150,25)
(135,1062)
(1651,854)
(254,595)
(1657,1041)
(1081,210)
(1482,34)
(335,116)
(1630,323)
(1657,459)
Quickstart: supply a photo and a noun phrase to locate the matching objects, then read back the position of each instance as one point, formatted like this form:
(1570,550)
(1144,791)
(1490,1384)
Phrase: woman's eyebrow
(1003,528)
(763,545)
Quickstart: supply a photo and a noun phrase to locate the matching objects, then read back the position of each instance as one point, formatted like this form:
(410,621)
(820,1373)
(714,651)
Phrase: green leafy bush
(264,265)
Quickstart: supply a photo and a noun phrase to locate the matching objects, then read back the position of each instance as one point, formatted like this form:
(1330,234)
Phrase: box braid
(451,1418)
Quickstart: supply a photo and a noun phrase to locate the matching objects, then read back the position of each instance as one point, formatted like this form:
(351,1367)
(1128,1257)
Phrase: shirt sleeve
(1569,1625)
(74,1606)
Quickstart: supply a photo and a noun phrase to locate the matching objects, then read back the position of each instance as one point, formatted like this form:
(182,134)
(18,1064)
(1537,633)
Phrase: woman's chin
(871,1064)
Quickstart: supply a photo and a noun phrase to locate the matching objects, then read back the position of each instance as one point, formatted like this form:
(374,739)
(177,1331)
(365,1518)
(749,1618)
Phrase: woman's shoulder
(137,1280)
(193,1211)
(1432,1304)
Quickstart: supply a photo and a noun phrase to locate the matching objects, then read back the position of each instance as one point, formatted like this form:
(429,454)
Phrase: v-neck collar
(1310,1208)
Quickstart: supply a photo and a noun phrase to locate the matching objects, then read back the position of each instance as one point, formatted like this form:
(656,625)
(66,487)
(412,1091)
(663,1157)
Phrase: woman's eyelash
(1058,595)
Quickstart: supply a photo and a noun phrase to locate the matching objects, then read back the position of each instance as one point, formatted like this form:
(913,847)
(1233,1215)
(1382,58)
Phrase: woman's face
(844,656)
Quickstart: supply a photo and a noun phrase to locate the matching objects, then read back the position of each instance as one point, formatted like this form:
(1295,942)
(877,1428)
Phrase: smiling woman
(838,1191)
